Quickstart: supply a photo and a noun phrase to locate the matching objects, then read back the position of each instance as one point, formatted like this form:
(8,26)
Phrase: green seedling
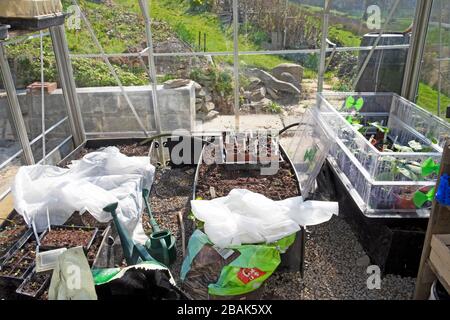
(384,130)
(355,122)
(352,103)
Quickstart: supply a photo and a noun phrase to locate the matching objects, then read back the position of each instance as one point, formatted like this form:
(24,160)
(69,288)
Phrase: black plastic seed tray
(86,247)
(4,31)
(42,280)
(34,23)
(8,232)
(24,238)
(18,264)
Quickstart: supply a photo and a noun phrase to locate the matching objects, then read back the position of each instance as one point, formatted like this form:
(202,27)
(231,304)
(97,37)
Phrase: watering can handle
(165,252)
(153,223)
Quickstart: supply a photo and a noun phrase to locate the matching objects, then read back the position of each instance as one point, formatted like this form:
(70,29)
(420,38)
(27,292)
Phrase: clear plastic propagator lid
(309,148)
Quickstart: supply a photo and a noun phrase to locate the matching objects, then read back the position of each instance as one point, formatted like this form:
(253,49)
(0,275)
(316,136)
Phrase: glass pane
(118,25)
(434,86)
(24,60)
(10,148)
(354,25)
(192,26)
(350,21)
(276,88)
(105,109)
(279,25)
(94,72)
(196,93)
(8,172)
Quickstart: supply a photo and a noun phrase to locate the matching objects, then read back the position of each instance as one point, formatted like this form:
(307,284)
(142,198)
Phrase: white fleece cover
(245,217)
(90,184)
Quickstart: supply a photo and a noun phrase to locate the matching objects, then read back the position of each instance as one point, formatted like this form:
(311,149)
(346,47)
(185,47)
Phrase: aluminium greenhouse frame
(79,135)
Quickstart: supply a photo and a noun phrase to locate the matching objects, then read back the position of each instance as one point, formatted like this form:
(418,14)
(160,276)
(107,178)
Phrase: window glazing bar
(14,107)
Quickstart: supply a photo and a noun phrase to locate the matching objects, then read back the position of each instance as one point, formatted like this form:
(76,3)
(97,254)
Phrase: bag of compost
(145,281)
(237,272)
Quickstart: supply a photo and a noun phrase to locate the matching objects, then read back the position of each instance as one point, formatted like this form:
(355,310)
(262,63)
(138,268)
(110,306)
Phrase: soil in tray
(20,262)
(35,283)
(92,252)
(67,238)
(11,233)
(130,150)
(279,186)
(9,236)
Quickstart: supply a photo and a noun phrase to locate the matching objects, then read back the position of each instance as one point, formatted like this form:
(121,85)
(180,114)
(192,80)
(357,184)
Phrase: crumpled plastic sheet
(245,217)
(99,179)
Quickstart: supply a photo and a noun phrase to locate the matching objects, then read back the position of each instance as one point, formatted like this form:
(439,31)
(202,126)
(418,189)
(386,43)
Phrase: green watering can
(161,243)
(134,253)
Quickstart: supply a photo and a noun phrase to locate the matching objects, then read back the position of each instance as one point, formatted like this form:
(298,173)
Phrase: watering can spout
(111,208)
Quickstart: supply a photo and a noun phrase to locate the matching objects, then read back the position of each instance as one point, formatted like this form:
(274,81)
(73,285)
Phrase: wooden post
(439,223)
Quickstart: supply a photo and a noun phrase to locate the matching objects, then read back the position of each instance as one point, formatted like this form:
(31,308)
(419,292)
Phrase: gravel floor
(335,261)
(335,269)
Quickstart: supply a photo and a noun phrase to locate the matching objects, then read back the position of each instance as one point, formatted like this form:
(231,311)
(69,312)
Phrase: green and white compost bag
(245,217)
(234,272)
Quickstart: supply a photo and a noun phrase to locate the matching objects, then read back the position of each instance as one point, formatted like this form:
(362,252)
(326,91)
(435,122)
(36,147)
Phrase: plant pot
(67,237)
(404,202)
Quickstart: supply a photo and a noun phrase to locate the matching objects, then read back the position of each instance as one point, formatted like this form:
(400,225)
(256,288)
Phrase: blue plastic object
(443,192)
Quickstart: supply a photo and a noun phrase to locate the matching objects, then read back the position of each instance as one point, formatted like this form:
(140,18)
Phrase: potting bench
(435,261)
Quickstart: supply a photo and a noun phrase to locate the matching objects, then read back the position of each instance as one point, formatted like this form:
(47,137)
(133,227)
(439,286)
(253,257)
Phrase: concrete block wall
(104,109)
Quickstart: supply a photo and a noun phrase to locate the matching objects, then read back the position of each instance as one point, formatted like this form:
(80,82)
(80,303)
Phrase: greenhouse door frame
(65,72)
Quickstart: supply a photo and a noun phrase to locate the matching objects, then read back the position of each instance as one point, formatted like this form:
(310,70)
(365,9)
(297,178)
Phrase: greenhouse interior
(224,150)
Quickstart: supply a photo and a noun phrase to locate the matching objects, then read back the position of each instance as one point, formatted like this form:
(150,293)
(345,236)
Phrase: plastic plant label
(247,275)
(47,260)
(224,252)
(212,191)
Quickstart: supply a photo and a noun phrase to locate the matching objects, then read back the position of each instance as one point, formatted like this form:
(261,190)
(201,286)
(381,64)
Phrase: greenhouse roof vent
(31,14)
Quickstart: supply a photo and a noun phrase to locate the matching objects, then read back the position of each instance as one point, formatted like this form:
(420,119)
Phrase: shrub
(201,5)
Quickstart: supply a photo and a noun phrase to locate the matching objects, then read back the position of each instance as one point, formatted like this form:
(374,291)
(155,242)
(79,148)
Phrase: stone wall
(105,109)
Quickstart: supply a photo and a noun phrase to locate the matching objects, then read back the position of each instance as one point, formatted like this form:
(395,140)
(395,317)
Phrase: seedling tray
(244,151)
(384,183)
(35,23)
(99,254)
(68,243)
(20,262)
(34,285)
(15,233)
(18,244)
(4,31)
